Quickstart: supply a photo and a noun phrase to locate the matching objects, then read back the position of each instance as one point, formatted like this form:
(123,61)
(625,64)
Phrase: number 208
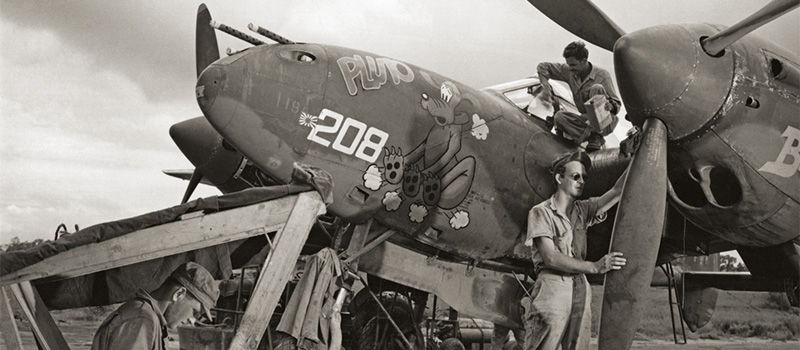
(367,140)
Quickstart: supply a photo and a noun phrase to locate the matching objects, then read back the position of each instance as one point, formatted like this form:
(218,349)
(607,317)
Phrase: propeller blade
(637,234)
(205,149)
(582,18)
(716,43)
(197,176)
(206,48)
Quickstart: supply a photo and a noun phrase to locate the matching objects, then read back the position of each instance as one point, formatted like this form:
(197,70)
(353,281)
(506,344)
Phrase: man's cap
(200,283)
(578,156)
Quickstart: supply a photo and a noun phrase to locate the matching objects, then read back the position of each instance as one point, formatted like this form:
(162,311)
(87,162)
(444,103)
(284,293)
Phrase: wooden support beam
(357,241)
(44,327)
(7,324)
(162,240)
(353,258)
(277,270)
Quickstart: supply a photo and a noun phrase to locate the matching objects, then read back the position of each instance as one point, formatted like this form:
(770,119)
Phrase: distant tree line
(729,263)
(16,244)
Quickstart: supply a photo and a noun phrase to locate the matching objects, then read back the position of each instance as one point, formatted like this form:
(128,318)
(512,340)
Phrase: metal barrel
(269,34)
(475,335)
(236,33)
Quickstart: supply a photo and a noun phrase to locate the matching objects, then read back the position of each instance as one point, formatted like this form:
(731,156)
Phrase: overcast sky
(89,89)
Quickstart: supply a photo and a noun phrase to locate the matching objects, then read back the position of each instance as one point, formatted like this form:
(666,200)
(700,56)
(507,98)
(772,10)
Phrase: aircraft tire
(451,344)
(369,322)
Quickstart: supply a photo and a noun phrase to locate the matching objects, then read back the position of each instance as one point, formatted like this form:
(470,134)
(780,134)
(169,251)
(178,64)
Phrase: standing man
(141,322)
(585,81)
(558,312)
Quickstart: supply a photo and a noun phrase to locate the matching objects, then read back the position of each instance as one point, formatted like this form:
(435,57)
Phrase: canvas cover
(120,284)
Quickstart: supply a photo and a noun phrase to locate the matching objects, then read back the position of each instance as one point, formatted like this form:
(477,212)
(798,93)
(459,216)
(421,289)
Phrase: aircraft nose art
(663,72)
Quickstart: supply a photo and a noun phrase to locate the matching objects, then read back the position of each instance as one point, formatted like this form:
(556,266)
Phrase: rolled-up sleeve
(540,224)
(551,70)
(590,214)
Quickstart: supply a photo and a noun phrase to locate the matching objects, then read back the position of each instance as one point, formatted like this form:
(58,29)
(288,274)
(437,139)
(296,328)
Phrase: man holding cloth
(585,81)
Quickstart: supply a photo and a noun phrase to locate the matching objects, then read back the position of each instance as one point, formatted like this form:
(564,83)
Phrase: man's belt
(556,272)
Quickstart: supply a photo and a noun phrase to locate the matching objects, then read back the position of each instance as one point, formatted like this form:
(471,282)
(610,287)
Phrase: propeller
(642,210)
(206,47)
(582,18)
(640,219)
(197,176)
(716,43)
(637,234)
(215,162)
(206,52)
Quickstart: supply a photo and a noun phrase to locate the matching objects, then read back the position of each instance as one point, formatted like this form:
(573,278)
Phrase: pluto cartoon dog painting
(432,175)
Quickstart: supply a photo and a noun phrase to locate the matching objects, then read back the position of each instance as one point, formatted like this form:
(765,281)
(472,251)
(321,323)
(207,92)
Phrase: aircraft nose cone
(663,72)
(651,71)
(204,148)
(210,85)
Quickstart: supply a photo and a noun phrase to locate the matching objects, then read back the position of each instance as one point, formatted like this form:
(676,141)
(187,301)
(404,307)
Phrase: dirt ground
(79,325)
(79,336)
(729,344)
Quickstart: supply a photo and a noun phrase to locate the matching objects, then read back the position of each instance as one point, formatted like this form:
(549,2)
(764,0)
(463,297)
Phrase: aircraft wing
(740,281)
(699,290)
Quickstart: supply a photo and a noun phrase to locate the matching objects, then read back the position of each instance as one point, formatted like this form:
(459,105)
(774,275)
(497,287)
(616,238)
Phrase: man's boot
(596,142)
(549,122)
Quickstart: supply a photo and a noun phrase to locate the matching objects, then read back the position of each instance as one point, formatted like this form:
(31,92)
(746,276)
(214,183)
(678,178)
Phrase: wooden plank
(357,241)
(26,310)
(49,331)
(159,241)
(44,328)
(7,324)
(277,270)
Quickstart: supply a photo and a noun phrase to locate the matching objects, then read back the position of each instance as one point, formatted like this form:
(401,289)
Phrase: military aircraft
(453,170)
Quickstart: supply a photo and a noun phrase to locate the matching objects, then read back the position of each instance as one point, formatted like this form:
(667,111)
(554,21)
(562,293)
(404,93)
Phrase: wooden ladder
(677,303)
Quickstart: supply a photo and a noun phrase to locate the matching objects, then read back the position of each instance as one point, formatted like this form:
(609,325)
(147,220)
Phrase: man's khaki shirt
(580,88)
(137,324)
(568,234)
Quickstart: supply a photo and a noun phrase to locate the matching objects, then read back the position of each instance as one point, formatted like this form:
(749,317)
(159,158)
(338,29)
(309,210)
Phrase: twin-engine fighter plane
(454,170)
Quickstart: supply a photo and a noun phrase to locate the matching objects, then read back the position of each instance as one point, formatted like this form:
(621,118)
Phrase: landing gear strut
(376,326)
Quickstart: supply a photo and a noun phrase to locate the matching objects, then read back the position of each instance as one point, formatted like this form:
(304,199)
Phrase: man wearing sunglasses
(557,311)
(141,323)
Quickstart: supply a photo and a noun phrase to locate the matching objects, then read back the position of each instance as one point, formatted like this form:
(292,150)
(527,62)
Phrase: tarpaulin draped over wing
(119,284)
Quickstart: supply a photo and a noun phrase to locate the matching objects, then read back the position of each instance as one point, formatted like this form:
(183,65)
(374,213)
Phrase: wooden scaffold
(291,217)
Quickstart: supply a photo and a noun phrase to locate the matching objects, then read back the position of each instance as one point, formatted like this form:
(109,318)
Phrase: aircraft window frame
(297,56)
(523,96)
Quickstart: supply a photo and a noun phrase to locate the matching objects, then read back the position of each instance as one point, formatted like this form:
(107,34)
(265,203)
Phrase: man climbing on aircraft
(141,322)
(585,81)
(558,312)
